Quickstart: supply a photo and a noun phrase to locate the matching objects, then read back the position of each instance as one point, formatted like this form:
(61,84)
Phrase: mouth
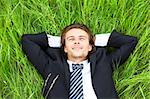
(77,48)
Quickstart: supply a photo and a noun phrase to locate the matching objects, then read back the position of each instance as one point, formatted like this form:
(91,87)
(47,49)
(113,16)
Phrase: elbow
(134,42)
(24,37)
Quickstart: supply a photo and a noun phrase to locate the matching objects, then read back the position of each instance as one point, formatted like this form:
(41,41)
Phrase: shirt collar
(85,62)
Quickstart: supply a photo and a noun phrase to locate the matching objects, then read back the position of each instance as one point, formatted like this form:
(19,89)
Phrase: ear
(90,48)
(65,49)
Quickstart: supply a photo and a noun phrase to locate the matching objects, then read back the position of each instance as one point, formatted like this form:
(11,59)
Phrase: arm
(124,45)
(34,46)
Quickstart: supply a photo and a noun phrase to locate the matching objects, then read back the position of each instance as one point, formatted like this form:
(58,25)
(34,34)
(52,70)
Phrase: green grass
(19,79)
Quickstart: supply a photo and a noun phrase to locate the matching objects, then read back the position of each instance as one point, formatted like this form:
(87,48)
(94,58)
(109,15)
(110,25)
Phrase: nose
(76,42)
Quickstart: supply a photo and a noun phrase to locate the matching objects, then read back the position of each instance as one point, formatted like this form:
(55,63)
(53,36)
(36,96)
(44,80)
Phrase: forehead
(76,32)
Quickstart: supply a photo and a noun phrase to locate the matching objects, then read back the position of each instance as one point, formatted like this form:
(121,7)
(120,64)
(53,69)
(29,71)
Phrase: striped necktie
(76,82)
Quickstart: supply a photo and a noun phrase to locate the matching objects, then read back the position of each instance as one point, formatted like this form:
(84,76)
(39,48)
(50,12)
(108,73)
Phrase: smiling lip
(76,48)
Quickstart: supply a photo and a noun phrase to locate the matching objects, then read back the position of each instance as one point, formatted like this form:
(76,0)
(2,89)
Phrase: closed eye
(70,38)
(82,38)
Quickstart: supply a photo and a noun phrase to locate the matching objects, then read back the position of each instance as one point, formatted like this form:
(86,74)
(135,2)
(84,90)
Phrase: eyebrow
(82,36)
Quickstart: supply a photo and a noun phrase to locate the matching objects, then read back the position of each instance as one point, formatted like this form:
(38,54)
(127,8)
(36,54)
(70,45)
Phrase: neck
(77,60)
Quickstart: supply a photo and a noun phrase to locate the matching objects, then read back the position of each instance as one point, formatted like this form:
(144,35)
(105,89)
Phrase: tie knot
(77,66)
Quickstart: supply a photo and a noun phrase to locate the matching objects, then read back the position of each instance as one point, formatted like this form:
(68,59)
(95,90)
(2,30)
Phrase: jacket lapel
(66,71)
(92,60)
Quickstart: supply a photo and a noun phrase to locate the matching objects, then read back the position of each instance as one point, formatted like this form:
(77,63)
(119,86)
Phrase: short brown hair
(78,26)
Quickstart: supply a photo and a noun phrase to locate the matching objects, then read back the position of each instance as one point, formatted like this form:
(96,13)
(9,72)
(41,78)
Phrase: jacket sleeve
(34,46)
(124,46)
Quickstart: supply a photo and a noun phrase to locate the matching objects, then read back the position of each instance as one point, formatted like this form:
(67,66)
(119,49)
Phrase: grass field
(19,79)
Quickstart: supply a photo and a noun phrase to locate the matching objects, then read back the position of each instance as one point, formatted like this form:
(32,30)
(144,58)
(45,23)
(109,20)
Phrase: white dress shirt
(88,91)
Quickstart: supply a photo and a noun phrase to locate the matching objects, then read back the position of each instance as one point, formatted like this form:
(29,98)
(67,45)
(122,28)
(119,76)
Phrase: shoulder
(55,52)
(99,51)
(50,50)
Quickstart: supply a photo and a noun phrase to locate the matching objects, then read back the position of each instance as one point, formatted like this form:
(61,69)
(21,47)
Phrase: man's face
(77,44)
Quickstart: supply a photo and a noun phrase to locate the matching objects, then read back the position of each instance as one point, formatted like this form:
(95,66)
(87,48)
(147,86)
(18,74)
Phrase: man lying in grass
(78,65)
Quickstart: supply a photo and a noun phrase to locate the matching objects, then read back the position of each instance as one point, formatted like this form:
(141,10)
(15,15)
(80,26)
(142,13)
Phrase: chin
(79,55)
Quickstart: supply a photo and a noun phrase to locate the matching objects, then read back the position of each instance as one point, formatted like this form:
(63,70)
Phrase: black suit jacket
(52,65)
